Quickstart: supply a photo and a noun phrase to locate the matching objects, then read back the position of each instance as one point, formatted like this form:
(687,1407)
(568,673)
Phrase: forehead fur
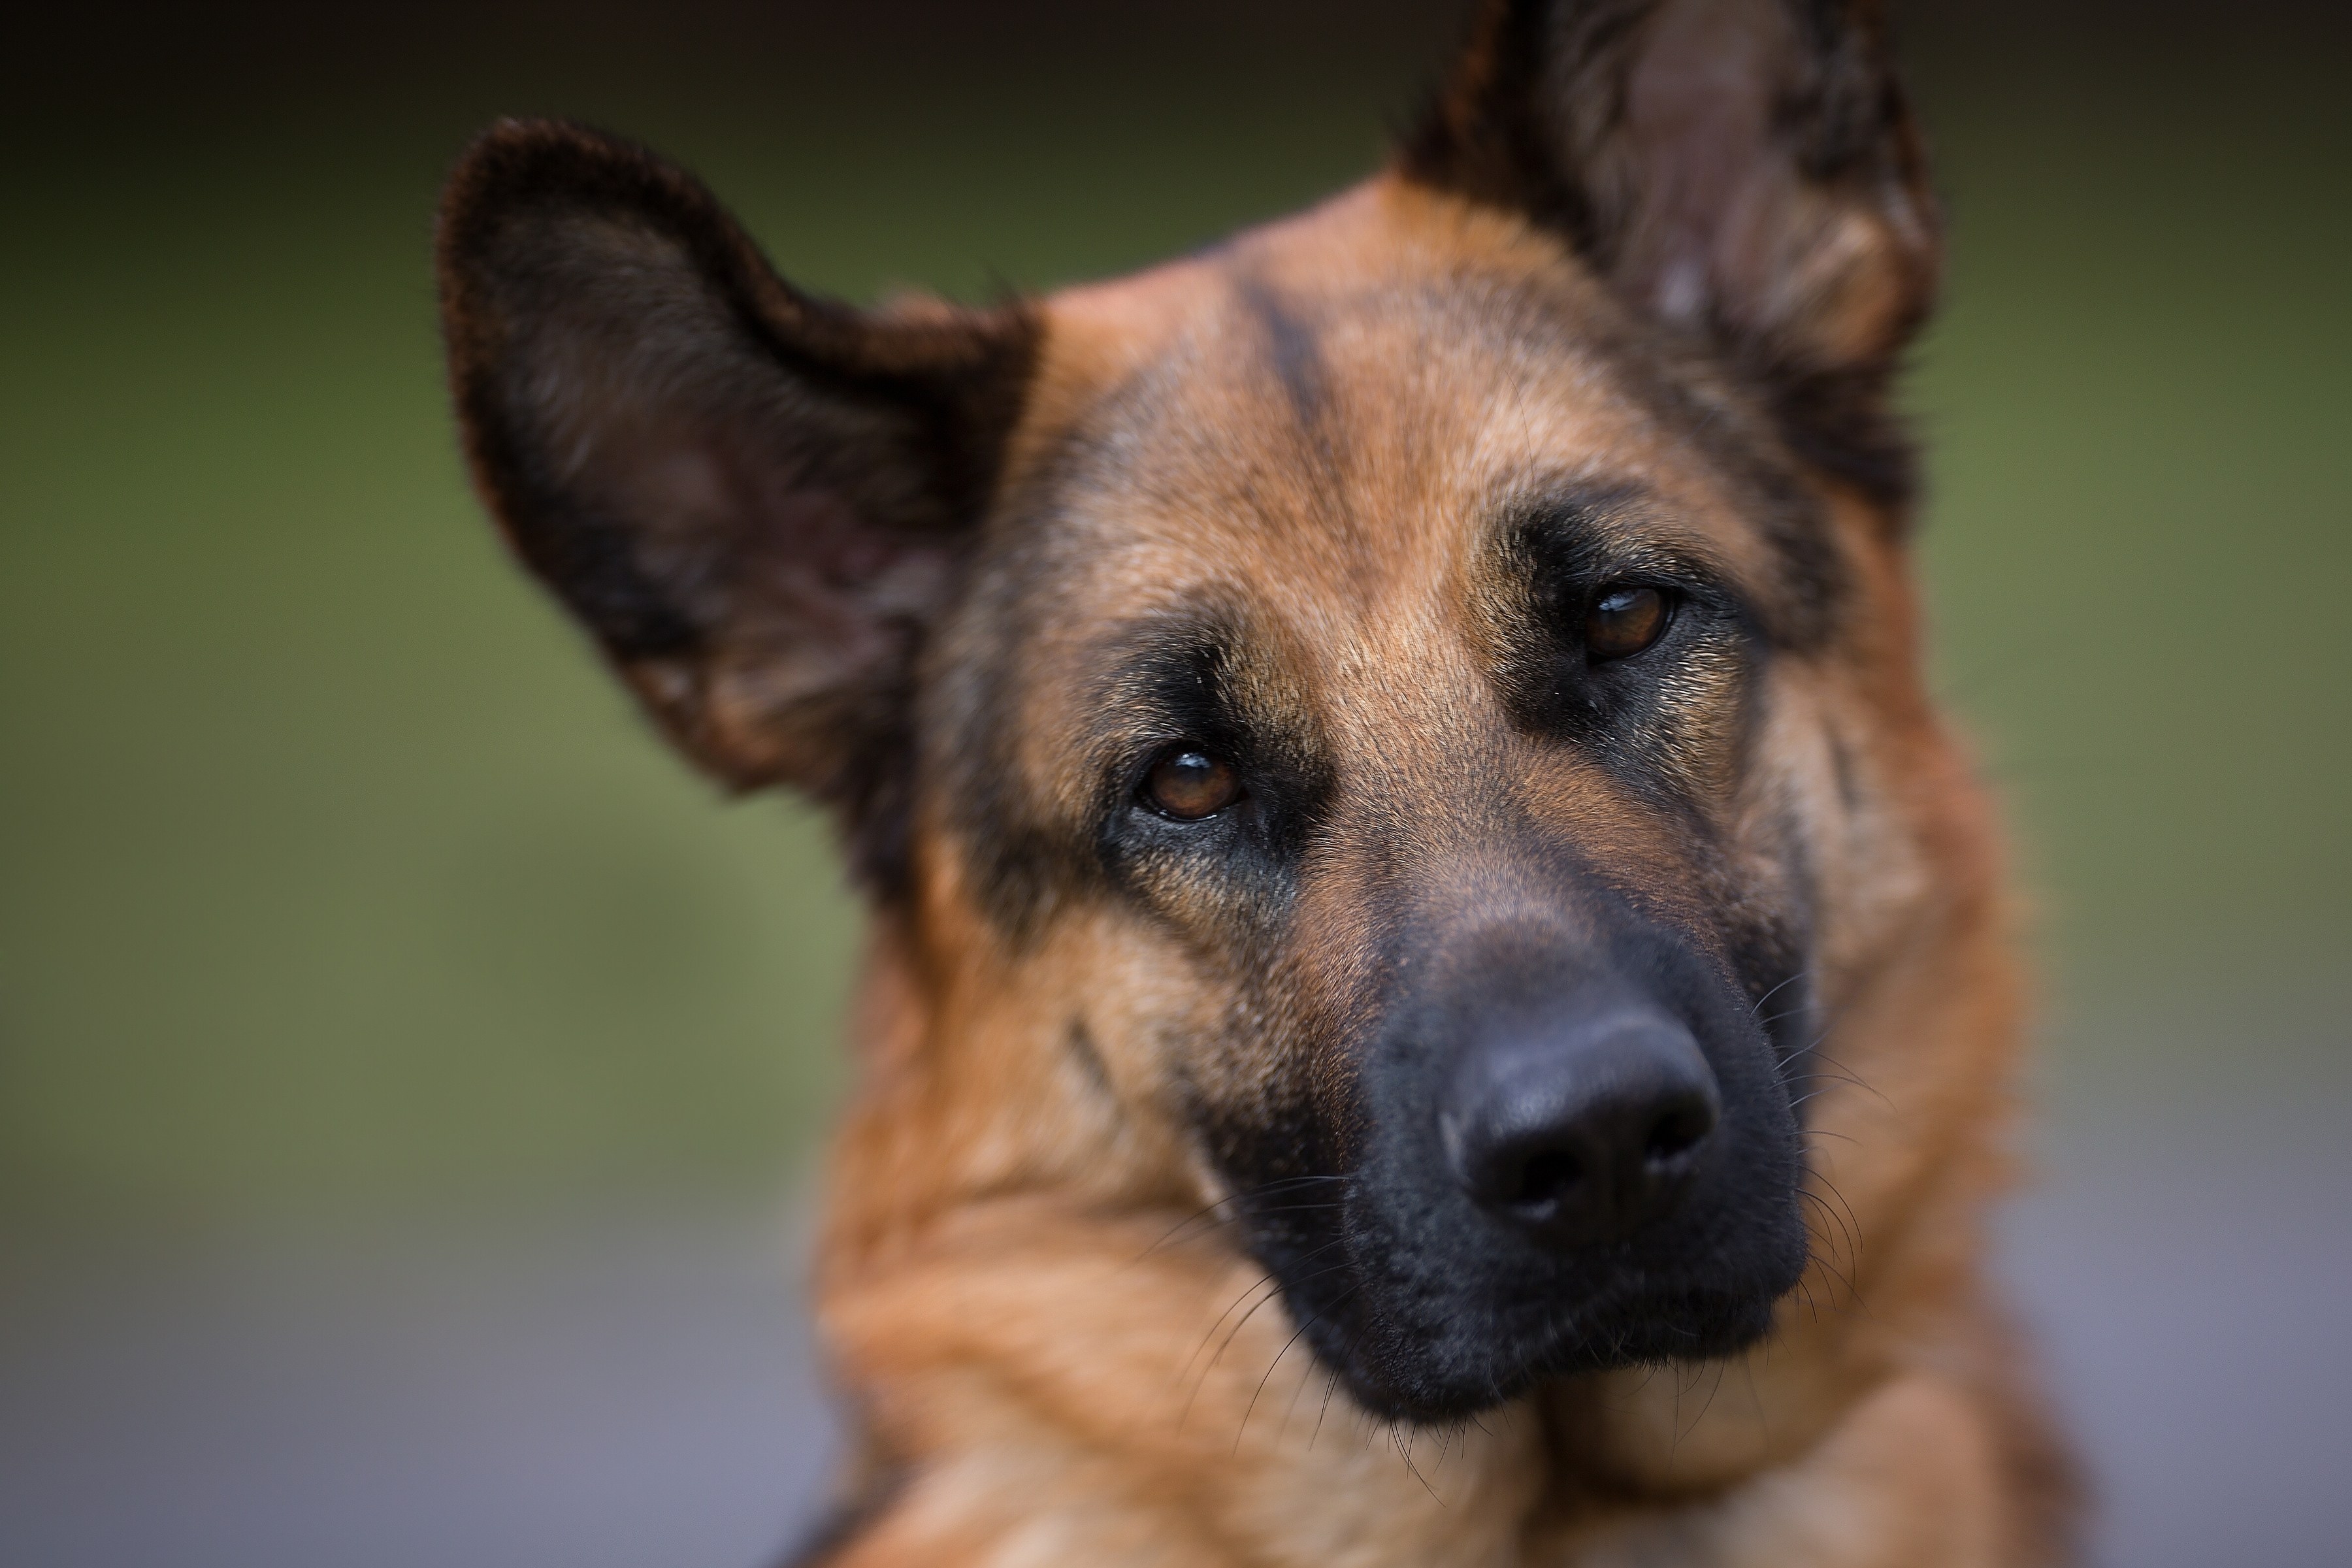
(1331,410)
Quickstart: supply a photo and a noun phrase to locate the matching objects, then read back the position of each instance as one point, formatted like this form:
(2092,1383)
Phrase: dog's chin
(1402,1374)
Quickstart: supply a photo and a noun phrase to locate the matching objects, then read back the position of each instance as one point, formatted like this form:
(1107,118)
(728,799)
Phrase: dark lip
(1601,1339)
(1624,1325)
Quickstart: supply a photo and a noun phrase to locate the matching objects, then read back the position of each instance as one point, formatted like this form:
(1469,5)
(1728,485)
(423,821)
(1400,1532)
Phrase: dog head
(1357,724)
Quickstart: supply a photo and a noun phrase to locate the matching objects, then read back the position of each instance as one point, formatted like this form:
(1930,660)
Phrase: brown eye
(1624,621)
(1189,786)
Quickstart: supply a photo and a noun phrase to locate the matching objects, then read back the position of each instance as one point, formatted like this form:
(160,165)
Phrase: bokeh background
(408,1073)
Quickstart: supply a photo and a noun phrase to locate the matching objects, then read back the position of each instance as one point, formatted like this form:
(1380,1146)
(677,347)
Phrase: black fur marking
(1844,423)
(1772,960)
(1295,356)
(1089,1058)
(1023,858)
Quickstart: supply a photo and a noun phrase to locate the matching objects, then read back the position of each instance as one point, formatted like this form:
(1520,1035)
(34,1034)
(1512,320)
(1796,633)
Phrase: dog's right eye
(1187,784)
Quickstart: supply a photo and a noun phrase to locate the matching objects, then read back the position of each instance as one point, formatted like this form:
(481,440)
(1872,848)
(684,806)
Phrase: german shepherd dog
(1437,992)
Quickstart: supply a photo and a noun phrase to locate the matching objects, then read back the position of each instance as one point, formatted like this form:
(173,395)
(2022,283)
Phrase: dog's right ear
(755,499)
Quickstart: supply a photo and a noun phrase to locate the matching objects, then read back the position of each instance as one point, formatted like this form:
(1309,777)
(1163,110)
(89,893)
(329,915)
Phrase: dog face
(1379,695)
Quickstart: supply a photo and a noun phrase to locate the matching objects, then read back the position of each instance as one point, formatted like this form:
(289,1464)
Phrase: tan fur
(1060,1382)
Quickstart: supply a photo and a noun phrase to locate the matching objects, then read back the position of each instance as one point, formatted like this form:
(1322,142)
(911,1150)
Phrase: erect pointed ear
(754,498)
(1745,167)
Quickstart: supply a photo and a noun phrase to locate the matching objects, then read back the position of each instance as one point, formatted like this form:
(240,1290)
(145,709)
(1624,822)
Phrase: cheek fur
(1689,736)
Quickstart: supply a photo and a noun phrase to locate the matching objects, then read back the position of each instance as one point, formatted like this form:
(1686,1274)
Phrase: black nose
(1581,1130)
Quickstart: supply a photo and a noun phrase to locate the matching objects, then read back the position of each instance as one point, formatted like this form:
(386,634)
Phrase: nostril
(1675,1133)
(1547,1178)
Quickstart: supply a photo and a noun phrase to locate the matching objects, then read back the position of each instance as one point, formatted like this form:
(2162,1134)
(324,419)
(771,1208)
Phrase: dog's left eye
(1624,621)
(1188,784)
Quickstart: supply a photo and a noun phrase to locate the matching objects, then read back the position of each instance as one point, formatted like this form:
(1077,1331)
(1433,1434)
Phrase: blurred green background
(405,1063)
(334,874)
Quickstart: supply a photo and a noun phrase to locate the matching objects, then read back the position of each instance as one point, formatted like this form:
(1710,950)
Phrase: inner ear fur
(1747,169)
(755,498)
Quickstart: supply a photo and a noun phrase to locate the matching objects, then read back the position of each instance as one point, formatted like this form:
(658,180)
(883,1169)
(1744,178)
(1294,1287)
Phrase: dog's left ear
(758,500)
(1744,167)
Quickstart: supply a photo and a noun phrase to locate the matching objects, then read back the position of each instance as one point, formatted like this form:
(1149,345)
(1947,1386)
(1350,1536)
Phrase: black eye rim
(1139,792)
(1670,604)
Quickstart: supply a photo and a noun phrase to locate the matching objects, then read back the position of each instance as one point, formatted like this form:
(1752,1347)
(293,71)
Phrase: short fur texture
(1224,1187)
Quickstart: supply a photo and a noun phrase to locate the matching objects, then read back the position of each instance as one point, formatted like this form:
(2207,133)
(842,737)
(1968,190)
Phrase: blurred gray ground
(2185,1260)
(640,1391)
(630,1392)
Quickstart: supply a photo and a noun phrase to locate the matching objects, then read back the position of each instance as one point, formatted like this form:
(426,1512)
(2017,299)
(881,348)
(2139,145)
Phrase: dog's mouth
(1413,1342)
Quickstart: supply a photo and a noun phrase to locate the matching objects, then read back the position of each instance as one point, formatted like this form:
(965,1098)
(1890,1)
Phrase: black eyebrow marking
(1577,533)
(1577,517)
(1169,679)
